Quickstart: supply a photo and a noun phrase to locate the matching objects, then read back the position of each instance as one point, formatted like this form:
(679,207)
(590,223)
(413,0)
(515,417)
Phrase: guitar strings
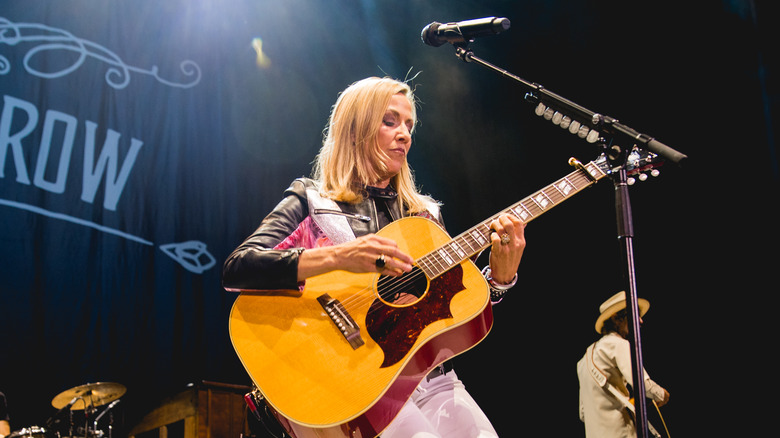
(389,286)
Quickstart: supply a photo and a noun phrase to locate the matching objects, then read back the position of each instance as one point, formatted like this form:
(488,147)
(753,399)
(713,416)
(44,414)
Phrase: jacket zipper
(359,217)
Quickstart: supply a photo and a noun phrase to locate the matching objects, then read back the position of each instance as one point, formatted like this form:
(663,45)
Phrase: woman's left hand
(508,243)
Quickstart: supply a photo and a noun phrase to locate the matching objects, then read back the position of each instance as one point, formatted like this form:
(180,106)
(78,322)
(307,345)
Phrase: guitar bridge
(340,317)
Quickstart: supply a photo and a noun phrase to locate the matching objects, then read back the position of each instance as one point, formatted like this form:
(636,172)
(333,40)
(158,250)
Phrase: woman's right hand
(359,256)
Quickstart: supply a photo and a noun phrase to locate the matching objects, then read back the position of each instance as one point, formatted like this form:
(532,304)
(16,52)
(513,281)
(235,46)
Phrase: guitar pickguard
(396,329)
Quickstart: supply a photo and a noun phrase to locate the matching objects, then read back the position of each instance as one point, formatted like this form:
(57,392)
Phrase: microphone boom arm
(108,408)
(539,95)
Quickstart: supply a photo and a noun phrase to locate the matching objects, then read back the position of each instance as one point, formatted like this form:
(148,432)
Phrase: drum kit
(88,398)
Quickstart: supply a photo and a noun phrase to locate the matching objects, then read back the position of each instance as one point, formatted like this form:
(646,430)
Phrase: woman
(362,178)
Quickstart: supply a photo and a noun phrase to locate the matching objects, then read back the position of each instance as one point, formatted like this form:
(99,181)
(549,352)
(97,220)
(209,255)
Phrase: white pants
(440,408)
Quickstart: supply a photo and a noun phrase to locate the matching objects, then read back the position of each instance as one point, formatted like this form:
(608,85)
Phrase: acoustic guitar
(339,358)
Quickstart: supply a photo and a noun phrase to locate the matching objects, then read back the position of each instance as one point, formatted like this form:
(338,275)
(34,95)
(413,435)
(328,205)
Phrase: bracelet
(497,290)
(496,285)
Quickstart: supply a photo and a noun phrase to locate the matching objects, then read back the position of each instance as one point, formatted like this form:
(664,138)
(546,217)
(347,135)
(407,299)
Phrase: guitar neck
(476,239)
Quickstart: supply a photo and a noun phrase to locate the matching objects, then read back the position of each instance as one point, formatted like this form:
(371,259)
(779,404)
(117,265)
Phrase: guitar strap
(335,226)
(601,379)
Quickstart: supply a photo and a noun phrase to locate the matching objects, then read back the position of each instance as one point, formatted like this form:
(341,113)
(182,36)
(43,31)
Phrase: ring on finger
(380,261)
(505,239)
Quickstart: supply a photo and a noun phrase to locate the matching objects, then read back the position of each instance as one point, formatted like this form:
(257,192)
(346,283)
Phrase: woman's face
(394,137)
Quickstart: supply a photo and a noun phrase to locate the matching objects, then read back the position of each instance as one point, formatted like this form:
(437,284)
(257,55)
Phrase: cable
(662,419)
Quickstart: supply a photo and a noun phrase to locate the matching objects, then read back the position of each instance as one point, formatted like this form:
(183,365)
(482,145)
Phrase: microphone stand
(549,101)
(110,418)
(53,419)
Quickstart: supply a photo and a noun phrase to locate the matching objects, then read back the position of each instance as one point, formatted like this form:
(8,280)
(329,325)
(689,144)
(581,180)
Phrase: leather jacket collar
(376,192)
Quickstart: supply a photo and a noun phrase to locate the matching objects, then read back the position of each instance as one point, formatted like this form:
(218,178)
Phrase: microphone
(436,34)
(108,408)
(51,420)
(72,402)
(111,405)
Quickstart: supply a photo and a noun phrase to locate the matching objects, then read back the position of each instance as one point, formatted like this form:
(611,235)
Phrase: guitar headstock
(641,164)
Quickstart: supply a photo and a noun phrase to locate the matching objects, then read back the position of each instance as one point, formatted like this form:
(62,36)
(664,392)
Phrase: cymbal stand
(110,418)
(88,411)
(71,428)
(110,424)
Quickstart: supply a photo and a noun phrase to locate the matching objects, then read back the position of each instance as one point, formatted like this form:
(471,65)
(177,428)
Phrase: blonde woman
(361,183)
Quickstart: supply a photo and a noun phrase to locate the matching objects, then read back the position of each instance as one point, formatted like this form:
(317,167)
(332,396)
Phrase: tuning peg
(642,176)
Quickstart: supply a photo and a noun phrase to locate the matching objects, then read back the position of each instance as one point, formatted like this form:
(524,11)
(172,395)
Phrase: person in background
(361,173)
(604,374)
(5,419)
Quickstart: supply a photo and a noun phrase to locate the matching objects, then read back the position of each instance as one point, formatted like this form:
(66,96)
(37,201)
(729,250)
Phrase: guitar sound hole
(403,290)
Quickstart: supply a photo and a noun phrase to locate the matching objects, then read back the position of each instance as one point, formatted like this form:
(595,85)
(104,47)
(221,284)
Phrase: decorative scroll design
(192,255)
(53,39)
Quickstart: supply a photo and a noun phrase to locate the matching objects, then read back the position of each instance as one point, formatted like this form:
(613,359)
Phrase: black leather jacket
(255,265)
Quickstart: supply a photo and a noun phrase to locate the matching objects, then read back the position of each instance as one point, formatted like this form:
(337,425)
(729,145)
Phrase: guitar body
(323,384)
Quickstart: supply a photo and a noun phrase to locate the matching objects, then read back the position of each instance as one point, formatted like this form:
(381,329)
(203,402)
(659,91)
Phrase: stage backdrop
(142,140)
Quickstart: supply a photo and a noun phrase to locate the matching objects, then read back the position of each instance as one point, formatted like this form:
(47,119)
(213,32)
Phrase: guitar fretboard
(476,239)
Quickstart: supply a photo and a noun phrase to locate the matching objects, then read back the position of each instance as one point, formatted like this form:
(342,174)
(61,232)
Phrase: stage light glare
(262,60)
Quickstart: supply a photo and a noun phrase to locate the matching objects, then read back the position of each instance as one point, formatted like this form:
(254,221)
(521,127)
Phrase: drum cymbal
(92,394)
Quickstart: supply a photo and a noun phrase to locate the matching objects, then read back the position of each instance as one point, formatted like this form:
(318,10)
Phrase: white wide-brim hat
(614,305)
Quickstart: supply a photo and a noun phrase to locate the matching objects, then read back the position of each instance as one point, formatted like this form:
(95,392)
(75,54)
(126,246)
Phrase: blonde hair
(350,157)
